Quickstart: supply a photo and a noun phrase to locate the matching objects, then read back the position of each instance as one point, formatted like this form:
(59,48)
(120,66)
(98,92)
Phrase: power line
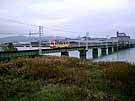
(11,34)
(18,22)
(6,33)
(33,25)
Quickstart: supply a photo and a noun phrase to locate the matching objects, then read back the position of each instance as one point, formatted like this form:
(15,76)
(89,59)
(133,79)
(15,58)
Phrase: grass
(66,79)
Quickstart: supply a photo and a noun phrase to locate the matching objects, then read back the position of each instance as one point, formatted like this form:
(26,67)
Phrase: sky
(71,18)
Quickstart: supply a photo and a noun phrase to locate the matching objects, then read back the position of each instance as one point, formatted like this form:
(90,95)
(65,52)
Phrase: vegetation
(9,47)
(66,79)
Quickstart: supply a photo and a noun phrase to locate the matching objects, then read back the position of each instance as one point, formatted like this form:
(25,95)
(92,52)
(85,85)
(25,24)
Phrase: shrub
(67,93)
(121,76)
(11,87)
(63,78)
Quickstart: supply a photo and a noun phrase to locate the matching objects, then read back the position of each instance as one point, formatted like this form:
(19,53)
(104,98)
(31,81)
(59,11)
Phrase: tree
(9,47)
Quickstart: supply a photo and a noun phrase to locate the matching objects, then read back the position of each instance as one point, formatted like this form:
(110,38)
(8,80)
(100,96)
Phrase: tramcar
(59,45)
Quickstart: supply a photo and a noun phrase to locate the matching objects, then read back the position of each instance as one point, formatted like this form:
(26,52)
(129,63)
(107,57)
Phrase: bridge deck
(23,53)
(5,55)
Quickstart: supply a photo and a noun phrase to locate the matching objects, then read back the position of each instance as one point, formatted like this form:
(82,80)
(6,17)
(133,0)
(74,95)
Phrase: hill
(27,39)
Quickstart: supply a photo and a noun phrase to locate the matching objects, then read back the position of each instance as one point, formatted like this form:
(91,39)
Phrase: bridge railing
(6,55)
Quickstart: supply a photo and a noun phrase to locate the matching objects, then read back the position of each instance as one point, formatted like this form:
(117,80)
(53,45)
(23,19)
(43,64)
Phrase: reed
(54,78)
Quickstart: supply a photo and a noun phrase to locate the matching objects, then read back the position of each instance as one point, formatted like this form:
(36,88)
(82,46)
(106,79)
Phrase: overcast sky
(98,17)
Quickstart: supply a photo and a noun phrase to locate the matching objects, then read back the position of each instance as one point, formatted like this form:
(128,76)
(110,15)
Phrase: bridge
(105,49)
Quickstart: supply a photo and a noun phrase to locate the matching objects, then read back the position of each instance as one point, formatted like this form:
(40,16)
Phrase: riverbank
(66,79)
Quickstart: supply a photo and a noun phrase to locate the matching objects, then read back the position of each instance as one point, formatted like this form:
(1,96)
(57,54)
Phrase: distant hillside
(53,38)
(14,39)
(26,39)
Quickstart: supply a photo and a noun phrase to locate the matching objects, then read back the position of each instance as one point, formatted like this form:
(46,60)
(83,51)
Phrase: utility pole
(117,45)
(40,33)
(79,44)
(107,41)
(30,39)
(87,34)
(117,49)
(107,44)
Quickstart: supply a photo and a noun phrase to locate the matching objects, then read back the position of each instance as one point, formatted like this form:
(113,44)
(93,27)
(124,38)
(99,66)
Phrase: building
(121,38)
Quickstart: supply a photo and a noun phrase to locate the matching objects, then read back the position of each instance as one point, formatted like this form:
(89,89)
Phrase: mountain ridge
(27,39)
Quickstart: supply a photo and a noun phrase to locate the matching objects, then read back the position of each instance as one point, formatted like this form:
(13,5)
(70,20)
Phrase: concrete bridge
(105,49)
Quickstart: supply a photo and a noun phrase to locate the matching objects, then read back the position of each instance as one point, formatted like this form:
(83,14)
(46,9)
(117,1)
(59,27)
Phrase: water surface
(127,55)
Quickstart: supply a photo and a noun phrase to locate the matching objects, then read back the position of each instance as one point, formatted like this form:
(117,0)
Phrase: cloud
(96,16)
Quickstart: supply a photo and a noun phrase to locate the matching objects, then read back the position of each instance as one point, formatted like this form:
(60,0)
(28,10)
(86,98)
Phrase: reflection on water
(124,55)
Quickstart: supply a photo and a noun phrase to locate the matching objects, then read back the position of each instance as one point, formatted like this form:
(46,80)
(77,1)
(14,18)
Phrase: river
(127,55)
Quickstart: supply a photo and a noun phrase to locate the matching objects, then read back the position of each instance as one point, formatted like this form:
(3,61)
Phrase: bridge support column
(132,45)
(125,46)
(103,51)
(95,52)
(110,50)
(115,49)
(64,54)
(121,47)
(83,54)
(128,46)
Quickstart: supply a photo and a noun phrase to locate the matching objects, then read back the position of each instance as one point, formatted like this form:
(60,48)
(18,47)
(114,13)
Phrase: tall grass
(121,76)
(61,78)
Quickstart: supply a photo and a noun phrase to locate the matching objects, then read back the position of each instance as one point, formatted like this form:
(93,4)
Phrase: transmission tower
(87,34)
(30,40)
(40,40)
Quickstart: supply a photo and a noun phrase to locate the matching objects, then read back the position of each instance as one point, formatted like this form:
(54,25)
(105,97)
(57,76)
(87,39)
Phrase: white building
(121,38)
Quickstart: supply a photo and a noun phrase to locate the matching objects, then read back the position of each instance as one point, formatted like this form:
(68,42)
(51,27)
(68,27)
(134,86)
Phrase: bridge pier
(132,45)
(115,49)
(95,52)
(110,50)
(83,54)
(64,54)
(123,46)
(103,51)
(120,47)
